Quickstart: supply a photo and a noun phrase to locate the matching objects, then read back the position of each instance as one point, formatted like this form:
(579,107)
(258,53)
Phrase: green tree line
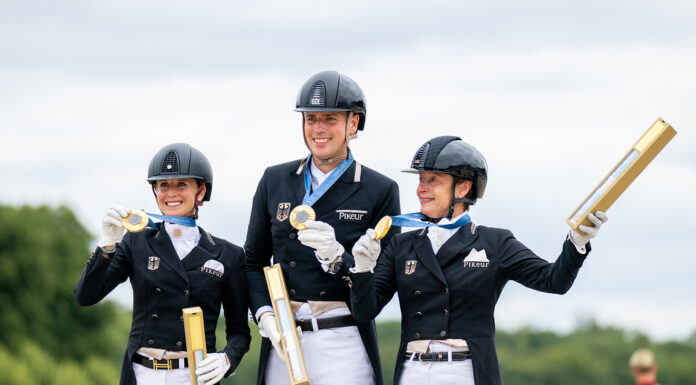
(46,338)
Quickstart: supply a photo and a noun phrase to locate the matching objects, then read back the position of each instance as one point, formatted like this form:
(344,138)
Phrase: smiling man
(346,196)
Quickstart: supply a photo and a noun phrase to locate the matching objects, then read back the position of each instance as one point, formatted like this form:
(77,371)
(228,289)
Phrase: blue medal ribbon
(416,220)
(184,221)
(311,197)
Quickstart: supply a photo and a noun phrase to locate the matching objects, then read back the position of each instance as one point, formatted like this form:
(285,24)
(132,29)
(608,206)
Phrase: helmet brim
(173,176)
(310,109)
(413,171)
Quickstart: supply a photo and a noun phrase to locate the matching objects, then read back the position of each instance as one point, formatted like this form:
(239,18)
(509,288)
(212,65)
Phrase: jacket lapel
(456,244)
(204,251)
(163,247)
(425,253)
(344,187)
(297,182)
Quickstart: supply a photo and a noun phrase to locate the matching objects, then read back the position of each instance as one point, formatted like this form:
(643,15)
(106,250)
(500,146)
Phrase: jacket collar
(205,250)
(162,245)
(455,245)
(343,189)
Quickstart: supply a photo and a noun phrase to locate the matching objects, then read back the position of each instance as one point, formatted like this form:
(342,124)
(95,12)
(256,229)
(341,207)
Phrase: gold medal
(301,214)
(135,221)
(382,227)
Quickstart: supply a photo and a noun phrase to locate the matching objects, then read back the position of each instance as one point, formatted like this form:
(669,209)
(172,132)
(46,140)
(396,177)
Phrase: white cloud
(552,108)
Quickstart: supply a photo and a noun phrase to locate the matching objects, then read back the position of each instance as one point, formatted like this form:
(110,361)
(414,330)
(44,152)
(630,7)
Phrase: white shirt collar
(318,176)
(184,238)
(438,236)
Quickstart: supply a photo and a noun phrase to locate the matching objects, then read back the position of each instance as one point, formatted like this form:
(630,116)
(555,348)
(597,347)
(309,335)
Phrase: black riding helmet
(451,155)
(332,91)
(180,160)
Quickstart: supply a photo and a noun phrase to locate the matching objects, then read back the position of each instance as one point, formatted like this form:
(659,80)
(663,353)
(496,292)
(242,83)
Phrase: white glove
(366,251)
(112,227)
(320,236)
(212,368)
(597,219)
(267,324)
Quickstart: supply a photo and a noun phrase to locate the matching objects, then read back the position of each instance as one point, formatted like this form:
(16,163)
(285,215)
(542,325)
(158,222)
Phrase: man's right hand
(112,227)
(267,323)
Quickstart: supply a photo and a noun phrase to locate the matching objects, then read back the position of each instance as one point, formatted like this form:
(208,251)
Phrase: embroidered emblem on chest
(283,211)
(410,267)
(153,263)
(351,215)
(214,267)
(476,259)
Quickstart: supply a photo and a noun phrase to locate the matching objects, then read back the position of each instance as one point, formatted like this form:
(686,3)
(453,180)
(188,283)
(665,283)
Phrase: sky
(553,93)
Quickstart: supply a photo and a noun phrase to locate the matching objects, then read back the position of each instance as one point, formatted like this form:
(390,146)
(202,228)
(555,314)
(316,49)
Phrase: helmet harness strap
(196,202)
(456,200)
(349,137)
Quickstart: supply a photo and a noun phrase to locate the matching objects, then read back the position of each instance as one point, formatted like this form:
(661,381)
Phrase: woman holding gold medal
(449,274)
(171,265)
(295,210)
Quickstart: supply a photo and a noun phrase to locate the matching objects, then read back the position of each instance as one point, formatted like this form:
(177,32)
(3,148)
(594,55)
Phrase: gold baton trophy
(624,173)
(195,339)
(135,221)
(285,321)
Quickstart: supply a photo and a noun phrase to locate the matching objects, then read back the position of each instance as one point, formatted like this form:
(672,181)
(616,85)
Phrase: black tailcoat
(356,202)
(445,296)
(163,285)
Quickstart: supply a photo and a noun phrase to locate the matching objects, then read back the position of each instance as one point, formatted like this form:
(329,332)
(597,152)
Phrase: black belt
(438,356)
(326,323)
(158,364)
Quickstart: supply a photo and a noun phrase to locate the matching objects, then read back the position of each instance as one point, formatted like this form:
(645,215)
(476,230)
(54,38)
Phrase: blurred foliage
(45,338)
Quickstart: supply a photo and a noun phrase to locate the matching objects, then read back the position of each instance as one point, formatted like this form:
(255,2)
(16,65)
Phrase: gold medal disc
(382,227)
(135,221)
(301,214)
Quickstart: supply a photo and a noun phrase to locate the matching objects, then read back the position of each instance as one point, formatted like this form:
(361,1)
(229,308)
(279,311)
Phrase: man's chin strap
(349,137)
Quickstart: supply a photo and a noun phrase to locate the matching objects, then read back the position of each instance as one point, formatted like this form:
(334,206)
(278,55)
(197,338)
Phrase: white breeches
(147,376)
(333,356)
(415,372)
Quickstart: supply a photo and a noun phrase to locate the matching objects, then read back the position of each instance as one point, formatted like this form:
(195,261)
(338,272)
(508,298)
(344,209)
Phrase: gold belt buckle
(167,365)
